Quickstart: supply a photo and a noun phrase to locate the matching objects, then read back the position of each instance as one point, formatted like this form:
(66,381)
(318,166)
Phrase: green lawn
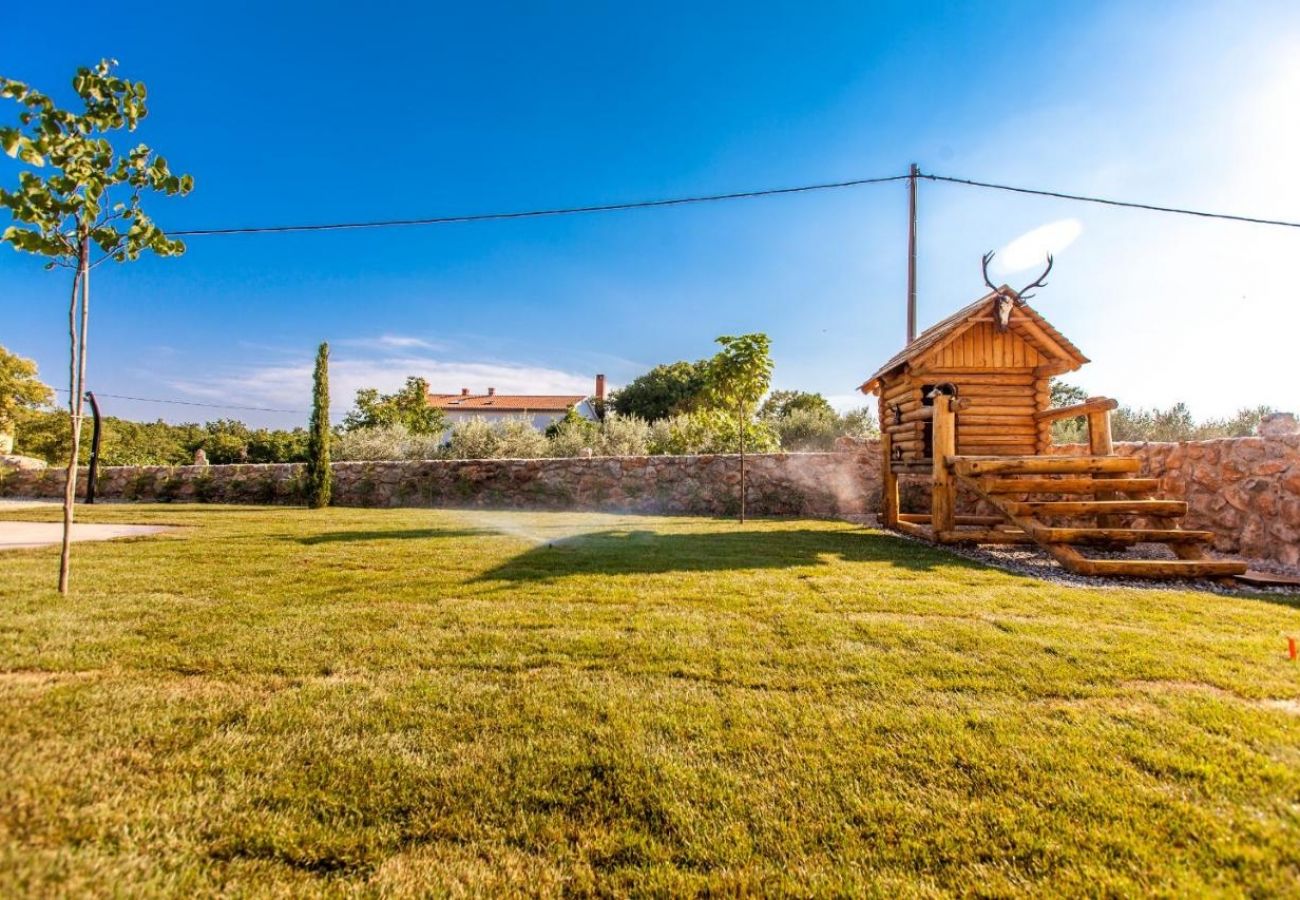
(415,702)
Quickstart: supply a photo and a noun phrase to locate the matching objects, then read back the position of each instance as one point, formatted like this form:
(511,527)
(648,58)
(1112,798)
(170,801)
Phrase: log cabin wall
(996,372)
(1001,361)
(901,410)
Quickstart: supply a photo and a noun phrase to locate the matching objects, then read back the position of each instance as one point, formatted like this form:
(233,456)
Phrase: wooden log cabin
(968,404)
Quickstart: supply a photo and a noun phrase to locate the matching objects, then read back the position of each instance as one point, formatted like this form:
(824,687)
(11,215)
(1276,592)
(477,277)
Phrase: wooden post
(911,252)
(889,483)
(1099,444)
(943,490)
(743,422)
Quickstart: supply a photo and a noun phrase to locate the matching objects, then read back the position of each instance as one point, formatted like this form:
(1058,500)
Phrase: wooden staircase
(1105,496)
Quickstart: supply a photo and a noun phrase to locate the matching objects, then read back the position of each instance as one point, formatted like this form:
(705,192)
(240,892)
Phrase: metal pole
(94,449)
(911,253)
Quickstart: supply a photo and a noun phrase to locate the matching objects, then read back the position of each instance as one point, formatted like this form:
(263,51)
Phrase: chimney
(600,387)
(464,392)
(491,391)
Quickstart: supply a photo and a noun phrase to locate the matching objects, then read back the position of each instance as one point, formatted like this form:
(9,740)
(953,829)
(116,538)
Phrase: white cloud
(1031,249)
(393,342)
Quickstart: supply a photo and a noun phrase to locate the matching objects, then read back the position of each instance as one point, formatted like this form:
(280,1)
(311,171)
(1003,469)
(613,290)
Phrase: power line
(538,213)
(713,198)
(1109,202)
(191,403)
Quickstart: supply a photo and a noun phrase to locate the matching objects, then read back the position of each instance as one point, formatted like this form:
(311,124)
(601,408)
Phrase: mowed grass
(350,702)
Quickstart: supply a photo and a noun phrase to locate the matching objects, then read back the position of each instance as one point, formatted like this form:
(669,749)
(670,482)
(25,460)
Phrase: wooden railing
(1097,410)
(943,446)
(943,488)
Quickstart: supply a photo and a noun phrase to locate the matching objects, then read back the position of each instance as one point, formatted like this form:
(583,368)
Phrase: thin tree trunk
(76,380)
(742,463)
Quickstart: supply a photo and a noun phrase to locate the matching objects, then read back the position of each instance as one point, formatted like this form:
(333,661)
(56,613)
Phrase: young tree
(87,205)
(319,476)
(20,390)
(408,407)
(738,377)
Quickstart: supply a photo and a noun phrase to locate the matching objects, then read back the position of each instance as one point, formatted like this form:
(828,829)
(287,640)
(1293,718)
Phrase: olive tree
(85,208)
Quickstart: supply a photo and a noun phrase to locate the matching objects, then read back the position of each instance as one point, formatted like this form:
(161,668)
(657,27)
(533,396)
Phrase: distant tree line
(1128,423)
(667,410)
(677,394)
(672,409)
(44,434)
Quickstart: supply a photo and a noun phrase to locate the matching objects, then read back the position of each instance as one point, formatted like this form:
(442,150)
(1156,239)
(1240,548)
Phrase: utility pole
(911,253)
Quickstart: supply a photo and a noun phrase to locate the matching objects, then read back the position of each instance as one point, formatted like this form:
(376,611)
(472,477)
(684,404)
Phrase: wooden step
(1121,536)
(1041,465)
(991,484)
(1161,568)
(959,519)
(983,536)
(1163,508)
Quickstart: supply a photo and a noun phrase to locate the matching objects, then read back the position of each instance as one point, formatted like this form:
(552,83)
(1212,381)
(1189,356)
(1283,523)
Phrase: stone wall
(809,484)
(1245,490)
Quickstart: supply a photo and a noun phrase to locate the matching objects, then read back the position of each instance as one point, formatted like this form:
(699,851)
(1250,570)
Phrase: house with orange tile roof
(541,409)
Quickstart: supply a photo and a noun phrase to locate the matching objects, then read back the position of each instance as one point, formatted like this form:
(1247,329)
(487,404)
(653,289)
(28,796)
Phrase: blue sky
(324,111)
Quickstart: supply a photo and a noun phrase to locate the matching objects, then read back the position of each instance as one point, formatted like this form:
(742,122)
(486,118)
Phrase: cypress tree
(319,477)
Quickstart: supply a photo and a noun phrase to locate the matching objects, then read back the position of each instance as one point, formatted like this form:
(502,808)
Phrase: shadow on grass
(644,552)
(408,534)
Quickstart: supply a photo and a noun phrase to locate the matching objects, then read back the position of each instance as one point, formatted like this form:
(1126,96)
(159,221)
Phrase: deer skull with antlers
(1008,297)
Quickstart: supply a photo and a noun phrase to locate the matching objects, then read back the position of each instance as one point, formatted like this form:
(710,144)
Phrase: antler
(1020,295)
(988,258)
(1039,283)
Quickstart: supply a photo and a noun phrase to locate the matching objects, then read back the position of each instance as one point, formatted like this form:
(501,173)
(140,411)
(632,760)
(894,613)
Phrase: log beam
(943,493)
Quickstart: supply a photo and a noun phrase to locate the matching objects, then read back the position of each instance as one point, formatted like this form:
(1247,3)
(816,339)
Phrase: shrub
(615,436)
(709,431)
(569,437)
(859,423)
(623,436)
(517,438)
(472,439)
(815,427)
(510,438)
(807,429)
(386,442)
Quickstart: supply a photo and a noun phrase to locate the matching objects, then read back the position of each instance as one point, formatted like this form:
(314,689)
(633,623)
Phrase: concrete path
(21,535)
(6,503)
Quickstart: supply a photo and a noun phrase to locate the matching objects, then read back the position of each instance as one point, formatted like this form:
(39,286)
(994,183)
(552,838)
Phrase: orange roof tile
(519,403)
